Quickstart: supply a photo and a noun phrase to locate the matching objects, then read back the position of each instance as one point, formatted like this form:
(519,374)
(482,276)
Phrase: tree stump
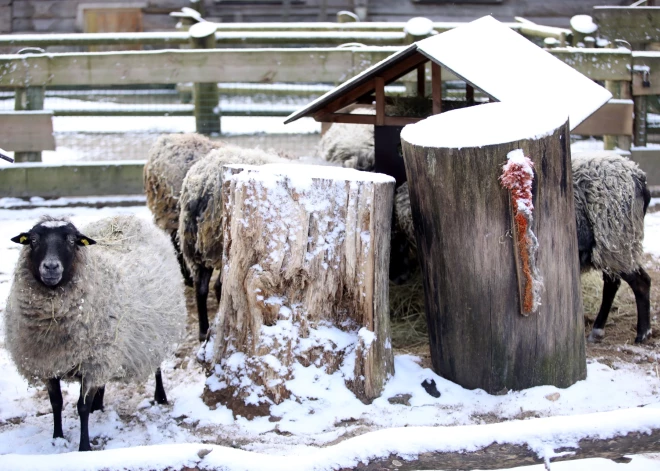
(469,241)
(304,283)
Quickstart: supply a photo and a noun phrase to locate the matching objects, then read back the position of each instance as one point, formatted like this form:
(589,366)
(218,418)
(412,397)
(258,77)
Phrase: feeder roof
(498,61)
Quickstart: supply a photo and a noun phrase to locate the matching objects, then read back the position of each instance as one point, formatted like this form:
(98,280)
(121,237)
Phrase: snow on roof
(508,67)
(497,60)
(483,125)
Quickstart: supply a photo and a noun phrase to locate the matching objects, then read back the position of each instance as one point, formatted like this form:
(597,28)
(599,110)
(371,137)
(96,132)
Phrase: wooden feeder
(488,56)
(503,303)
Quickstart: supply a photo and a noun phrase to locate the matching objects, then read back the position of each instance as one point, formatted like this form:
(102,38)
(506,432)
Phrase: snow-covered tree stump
(304,284)
(497,240)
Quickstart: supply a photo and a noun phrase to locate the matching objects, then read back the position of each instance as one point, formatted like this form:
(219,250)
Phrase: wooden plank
(649,161)
(597,64)
(27,131)
(436,87)
(646,68)
(421,80)
(365,119)
(614,118)
(634,24)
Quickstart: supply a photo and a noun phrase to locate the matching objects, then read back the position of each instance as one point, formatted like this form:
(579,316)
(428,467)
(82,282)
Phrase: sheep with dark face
(200,221)
(611,199)
(104,304)
(169,159)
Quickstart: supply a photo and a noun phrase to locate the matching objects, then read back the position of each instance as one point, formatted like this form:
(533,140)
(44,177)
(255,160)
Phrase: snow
(301,175)
(508,67)
(583,24)
(419,26)
(483,125)
(312,432)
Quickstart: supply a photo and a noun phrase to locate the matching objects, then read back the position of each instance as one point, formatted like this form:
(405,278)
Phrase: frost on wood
(304,284)
(517,177)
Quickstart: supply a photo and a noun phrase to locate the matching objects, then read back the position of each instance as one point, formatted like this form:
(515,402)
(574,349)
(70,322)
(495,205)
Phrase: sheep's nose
(51,264)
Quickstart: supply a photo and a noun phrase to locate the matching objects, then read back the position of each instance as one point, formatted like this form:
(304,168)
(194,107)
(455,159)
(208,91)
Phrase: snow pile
(517,177)
(484,125)
(313,429)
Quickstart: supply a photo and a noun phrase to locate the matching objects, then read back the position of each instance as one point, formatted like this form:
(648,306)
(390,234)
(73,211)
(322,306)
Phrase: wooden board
(614,118)
(113,20)
(27,131)
(597,64)
(331,65)
(633,24)
(649,160)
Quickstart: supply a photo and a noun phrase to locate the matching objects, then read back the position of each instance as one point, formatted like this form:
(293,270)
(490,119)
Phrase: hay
(408,321)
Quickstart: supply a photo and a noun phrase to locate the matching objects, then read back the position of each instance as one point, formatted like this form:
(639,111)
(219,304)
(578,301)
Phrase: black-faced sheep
(169,159)
(93,313)
(611,199)
(200,219)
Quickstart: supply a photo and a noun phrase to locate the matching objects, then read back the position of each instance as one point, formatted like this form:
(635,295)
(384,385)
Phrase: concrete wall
(78,179)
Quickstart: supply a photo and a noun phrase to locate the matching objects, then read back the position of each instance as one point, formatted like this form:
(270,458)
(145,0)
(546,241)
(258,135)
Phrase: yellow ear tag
(22,239)
(84,241)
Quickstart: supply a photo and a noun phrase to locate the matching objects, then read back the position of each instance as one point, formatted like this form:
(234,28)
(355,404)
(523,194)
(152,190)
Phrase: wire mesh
(121,123)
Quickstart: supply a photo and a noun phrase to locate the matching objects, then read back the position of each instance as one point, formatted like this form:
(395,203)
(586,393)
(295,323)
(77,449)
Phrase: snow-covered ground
(327,427)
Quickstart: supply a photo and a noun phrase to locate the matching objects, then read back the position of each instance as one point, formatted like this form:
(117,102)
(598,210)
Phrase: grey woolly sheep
(200,220)
(349,145)
(93,314)
(169,159)
(611,199)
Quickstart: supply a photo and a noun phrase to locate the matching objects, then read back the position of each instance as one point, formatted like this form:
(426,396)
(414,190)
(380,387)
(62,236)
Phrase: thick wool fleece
(200,221)
(118,317)
(350,145)
(609,209)
(169,160)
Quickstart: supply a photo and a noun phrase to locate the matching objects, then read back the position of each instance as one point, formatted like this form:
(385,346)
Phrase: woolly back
(609,198)
(168,161)
(200,222)
(350,145)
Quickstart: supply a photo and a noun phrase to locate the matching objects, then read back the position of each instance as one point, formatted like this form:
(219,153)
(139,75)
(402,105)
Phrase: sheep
(169,159)
(200,219)
(611,199)
(77,312)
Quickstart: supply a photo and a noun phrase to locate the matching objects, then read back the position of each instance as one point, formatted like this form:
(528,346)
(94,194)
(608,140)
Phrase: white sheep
(169,159)
(200,220)
(105,304)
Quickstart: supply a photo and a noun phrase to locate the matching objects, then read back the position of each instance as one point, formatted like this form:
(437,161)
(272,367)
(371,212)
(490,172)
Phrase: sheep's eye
(71,240)
(34,240)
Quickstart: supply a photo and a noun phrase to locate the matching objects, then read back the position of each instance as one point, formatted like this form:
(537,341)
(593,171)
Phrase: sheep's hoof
(643,337)
(203,336)
(596,336)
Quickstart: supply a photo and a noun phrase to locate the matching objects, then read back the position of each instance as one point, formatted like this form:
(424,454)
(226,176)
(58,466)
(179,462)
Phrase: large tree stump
(468,239)
(304,283)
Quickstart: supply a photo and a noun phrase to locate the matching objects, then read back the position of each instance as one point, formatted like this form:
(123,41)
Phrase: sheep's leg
(217,287)
(56,402)
(187,279)
(159,394)
(640,283)
(610,287)
(84,408)
(202,280)
(97,404)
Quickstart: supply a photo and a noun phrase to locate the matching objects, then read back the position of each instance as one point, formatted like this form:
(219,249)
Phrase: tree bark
(305,282)
(466,235)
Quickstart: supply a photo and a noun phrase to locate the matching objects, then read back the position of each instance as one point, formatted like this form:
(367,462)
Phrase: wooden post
(466,234)
(421,80)
(205,95)
(30,98)
(619,89)
(305,282)
(380,101)
(469,94)
(436,87)
(639,125)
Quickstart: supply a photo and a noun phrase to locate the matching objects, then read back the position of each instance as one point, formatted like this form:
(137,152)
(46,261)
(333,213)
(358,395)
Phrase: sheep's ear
(22,238)
(84,240)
